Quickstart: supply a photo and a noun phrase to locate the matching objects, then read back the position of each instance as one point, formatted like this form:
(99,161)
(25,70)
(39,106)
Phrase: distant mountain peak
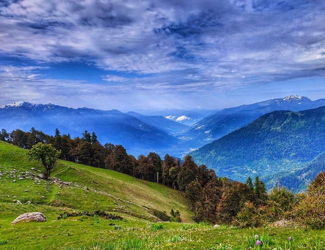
(293,98)
(15,104)
(27,105)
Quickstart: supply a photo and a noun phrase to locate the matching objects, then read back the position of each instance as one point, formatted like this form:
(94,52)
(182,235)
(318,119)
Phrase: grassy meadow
(83,188)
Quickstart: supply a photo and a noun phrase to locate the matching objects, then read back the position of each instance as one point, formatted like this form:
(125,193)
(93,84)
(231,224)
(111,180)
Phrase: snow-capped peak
(15,104)
(294,98)
(26,105)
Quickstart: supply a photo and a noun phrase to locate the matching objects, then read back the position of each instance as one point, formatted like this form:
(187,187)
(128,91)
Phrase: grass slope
(92,189)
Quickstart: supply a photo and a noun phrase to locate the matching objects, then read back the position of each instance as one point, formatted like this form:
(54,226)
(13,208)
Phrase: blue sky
(150,54)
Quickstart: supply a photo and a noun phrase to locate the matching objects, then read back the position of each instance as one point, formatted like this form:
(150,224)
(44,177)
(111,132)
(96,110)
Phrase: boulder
(283,224)
(34,216)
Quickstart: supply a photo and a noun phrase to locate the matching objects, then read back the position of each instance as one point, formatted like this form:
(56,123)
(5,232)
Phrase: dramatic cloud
(168,48)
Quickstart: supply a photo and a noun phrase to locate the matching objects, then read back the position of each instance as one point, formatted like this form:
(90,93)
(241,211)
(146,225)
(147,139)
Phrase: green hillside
(279,141)
(82,190)
(90,189)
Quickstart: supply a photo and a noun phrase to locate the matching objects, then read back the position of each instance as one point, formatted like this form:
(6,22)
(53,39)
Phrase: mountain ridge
(227,120)
(110,126)
(275,142)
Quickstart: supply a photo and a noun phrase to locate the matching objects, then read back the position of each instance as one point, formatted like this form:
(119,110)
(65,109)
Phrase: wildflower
(256,236)
(259,243)
(290,238)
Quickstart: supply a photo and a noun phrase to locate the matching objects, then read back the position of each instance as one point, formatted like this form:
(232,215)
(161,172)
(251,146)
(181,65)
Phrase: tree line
(212,199)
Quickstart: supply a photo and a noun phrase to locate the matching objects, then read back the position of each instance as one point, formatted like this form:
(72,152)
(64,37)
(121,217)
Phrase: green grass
(98,189)
(91,188)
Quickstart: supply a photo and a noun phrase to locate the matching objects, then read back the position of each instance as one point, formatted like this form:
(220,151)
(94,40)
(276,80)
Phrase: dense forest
(212,199)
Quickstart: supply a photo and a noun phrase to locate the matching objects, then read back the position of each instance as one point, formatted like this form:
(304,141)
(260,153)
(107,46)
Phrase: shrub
(310,210)
(161,215)
(156,227)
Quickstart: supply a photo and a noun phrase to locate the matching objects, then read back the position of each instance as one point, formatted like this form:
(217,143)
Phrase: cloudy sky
(150,54)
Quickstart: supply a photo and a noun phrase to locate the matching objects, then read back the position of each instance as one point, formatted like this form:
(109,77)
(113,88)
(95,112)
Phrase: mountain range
(110,126)
(274,139)
(280,141)
(228,120)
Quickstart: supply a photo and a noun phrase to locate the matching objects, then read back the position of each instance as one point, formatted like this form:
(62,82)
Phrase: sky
(149,54)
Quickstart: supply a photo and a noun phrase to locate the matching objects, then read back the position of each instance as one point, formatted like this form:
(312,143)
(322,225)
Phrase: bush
(249,216)
(310,210)
(161,215)
(156,227)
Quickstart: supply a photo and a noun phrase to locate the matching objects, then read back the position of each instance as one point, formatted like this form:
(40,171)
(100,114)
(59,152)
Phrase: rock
(34,216)
(216,226)
(283,223)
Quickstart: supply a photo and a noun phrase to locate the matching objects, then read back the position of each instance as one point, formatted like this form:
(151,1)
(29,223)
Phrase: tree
(119,160)
(18,138)
(83,152)
(86,136)
(260,191)
(155,160)
(193,192)
(188,173)
(93,138)
(4,135)
(45,154)
(311,207)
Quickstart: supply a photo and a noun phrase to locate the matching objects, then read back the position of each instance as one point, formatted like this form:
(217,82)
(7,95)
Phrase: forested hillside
(275,142)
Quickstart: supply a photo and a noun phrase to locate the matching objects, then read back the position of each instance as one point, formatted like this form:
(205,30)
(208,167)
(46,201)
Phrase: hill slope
(279,141)
(90,188)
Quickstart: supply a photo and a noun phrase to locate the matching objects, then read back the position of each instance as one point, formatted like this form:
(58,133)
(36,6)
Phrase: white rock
(34,216)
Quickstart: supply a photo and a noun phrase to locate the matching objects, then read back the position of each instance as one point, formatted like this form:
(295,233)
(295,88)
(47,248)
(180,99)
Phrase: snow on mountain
(15,104)
(171,117)
(294,98)
(183,118)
